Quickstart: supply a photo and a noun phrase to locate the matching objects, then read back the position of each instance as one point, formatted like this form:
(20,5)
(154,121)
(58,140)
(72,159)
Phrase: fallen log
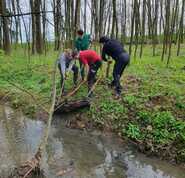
(70,106)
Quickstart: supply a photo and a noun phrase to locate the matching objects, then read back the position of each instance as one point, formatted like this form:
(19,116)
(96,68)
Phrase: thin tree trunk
(85,15)
(114,19)
(143,27)
(6,31)
(44,25)
(180,30)
(77,17)
(174,15)
(39,41)
(132,27)
(33,27)
(16,23)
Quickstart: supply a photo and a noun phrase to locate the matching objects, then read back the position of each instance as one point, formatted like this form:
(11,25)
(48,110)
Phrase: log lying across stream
(70,106)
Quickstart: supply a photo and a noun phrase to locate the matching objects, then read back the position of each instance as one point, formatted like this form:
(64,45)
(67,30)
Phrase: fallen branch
(74,105)
(35,162)
(70,94)
(28,93)
(94,86)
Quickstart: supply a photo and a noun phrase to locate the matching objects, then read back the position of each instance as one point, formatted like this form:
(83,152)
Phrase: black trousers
(82,71)
(120,63)
(91,78)
(75,75)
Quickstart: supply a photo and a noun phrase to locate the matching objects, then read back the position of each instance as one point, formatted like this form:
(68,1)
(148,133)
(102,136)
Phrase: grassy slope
(151,111)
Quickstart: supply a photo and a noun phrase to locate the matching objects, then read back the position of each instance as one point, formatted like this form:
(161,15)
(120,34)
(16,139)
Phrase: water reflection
(82,154)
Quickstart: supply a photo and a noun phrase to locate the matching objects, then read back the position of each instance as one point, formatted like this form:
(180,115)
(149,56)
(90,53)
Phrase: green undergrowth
(150,112)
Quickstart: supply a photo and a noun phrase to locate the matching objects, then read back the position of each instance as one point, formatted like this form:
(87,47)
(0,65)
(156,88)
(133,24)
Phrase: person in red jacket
(92,62)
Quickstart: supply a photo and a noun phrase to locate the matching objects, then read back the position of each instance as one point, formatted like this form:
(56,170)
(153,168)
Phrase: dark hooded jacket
(111,48)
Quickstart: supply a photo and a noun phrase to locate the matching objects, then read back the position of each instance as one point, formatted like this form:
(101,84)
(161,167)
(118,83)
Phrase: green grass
(152,106)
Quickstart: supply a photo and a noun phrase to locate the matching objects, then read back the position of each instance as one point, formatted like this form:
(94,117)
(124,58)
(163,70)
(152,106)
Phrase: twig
(75,90)
(94,86)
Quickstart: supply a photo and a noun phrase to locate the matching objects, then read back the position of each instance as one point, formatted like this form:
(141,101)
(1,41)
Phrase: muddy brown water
(81,154)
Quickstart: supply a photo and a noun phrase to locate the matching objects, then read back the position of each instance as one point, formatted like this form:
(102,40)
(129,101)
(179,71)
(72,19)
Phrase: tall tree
(101,16)
(6,31)
(1,37)
(85,15)
(143,27)
(16,22)
(32,6)
(114,20)
(180,28)
(44,22)
(57,23)
(39,41)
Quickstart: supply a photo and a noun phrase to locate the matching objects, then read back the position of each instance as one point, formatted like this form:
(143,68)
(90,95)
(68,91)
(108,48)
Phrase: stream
(80,153)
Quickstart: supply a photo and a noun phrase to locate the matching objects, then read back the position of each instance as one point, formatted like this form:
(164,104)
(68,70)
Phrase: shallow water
(81,154)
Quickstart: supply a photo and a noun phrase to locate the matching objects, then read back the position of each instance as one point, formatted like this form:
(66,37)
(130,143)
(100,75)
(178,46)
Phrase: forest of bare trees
(136,23)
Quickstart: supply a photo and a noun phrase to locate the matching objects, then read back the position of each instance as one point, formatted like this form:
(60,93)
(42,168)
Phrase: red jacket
(89,57)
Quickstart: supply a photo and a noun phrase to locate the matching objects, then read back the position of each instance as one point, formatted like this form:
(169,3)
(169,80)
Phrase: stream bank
(81,153)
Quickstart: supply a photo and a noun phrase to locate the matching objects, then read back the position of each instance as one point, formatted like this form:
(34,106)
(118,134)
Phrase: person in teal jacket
(82,43)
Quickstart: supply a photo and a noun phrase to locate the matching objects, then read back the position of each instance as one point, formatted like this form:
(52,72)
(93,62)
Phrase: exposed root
(30,166)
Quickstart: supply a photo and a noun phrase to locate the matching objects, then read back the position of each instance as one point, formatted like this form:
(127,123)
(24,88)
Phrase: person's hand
(66,75)
(109,61)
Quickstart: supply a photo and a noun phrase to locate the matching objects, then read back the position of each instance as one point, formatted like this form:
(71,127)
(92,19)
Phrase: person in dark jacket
(114,48)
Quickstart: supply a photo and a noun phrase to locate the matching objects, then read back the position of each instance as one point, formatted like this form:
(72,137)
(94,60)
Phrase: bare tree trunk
(39,41)
(58,23)
(106,17)
(16,23)
(150,27)
(85,15)
(72,18)
(132,26)
(33,27)
(123,20)
(44,24)
(1,36)
(6,31)
(109,19)
(173,20)
(166,29)
(180,30)
(155,23)
(161,27)
(19,23)
(101,16)
(143,27)
(95,18)
(114,19)
(77,16)
(137,26)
